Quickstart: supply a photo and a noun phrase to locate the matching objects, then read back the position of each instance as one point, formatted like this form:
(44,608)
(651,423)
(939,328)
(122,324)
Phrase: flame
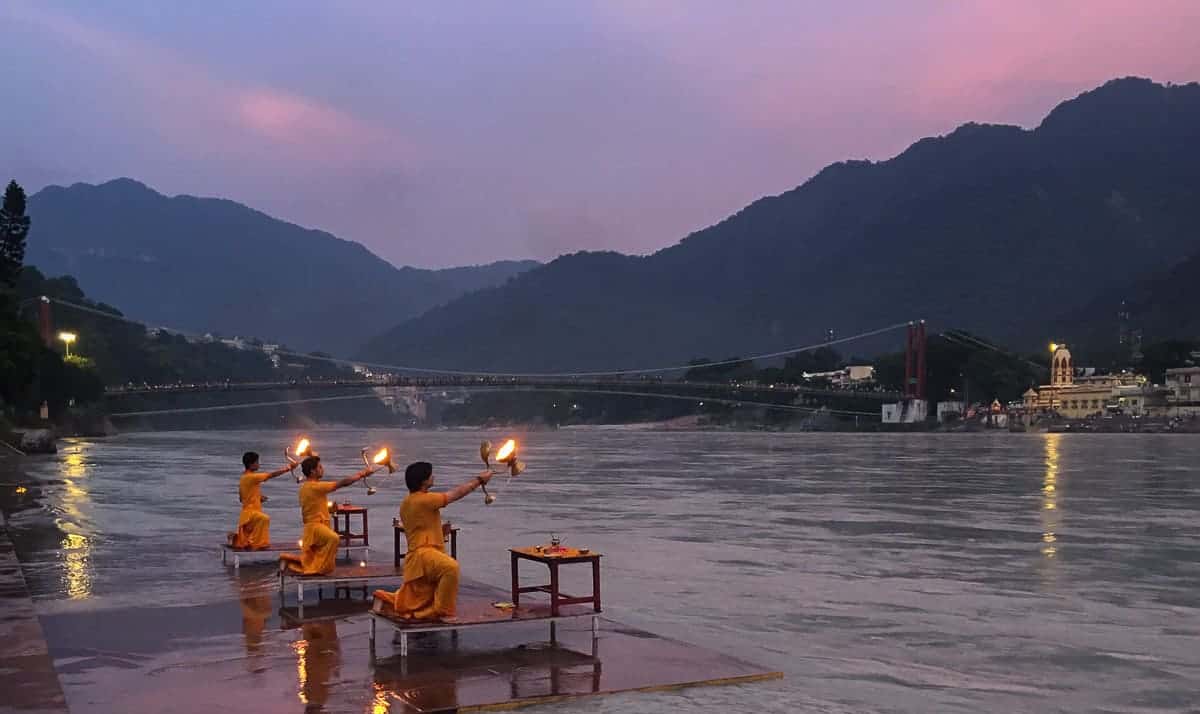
(505,453)
(381,457)
(329,504)
(302,447)
(300,542)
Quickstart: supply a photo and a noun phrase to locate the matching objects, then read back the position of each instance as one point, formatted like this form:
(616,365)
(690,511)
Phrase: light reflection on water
(902,573)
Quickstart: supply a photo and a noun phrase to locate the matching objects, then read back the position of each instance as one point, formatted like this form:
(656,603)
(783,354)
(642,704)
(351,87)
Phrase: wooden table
(553,560)
(449,533)
(348,536)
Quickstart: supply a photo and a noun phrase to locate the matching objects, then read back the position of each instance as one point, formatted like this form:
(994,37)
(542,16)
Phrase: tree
(14,227)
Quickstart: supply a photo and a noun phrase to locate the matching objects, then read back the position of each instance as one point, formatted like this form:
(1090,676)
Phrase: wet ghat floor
(223,655)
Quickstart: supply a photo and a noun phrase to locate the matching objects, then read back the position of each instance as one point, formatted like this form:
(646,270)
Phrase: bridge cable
(482,373)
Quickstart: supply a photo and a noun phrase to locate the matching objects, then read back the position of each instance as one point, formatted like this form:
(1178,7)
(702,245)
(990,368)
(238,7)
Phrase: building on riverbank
(1079,397)
(1183,391)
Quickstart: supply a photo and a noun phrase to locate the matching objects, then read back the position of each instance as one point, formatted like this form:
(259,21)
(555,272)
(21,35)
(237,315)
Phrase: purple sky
(446,133)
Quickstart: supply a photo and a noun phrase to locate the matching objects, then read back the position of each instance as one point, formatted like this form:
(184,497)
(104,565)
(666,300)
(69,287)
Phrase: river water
(898,573)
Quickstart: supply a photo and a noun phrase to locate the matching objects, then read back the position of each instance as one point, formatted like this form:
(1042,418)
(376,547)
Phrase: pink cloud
(188,105)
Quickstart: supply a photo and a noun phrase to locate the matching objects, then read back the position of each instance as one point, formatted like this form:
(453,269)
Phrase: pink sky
(457,133)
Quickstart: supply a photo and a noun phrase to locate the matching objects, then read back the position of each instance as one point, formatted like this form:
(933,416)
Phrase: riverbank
(27,675)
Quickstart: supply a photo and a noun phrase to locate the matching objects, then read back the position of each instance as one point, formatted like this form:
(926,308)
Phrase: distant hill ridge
(995,229)
(208,264)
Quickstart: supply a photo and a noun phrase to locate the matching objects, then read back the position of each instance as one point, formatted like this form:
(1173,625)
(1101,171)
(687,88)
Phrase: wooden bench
(272,548)
(347,575)
(476,612)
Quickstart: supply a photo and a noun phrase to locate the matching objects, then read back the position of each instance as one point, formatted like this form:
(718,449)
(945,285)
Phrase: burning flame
(329,504)
(302,447)
(381,457)
(505,453)
(300,543)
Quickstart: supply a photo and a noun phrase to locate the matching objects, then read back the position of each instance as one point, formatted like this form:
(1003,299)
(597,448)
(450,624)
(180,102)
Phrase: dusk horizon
(473,134)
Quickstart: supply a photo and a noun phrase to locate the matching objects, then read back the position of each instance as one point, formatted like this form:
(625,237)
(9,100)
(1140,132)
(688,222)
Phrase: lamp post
(67,338)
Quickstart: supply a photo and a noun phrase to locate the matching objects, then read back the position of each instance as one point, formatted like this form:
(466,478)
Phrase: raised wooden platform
(501,660)
(275,549)
(479,611)
(343,575)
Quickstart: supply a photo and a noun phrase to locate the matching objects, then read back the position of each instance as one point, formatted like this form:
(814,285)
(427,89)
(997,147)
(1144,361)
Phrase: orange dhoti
(318,551)
(253,529)
(430,589)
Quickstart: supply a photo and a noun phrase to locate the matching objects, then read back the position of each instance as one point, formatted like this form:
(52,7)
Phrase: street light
(67,338)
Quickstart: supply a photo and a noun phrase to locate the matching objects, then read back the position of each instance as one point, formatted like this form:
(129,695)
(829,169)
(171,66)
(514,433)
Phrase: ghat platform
(498,660)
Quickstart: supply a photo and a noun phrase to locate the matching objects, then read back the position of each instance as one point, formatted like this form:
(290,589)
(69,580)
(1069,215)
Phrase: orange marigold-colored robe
(319,543)
(254,526)
(430,589)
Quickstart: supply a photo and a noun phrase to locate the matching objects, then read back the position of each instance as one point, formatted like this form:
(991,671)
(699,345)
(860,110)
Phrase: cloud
(471,131)
(191,106)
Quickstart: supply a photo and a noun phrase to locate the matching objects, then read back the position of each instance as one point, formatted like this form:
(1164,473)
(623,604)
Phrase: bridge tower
(914,362)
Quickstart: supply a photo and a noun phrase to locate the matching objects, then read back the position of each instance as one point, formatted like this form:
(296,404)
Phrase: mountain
(995,229)
(210,265)
(1162,307)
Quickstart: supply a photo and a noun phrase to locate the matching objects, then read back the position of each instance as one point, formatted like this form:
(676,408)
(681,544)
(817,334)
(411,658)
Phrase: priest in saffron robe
(254,526)
(319,543)
(430,590)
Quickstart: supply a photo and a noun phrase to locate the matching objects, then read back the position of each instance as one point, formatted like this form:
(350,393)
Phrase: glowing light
(329,504)
(381,457)
(76,559)
(362,563)
(21,489)
(506,452)
(1051,518)
(302,447)
(67,338)
(300,543)
(300,647)
(380,703)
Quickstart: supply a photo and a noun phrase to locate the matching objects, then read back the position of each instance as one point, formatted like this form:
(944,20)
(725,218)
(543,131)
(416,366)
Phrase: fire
(505,453)
(302,447)
(381,457)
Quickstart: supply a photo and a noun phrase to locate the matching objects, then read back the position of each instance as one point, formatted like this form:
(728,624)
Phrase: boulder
(37,441)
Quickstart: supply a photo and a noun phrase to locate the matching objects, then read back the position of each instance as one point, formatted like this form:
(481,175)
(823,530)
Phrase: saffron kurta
(319,543)
(430,589)
(254,526)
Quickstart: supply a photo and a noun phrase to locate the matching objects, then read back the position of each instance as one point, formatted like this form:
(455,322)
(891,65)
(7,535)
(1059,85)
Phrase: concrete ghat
(27,677)
(248,652)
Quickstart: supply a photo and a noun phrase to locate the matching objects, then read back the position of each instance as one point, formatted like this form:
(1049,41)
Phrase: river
(897,573)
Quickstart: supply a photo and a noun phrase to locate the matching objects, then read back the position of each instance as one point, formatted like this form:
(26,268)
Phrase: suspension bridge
(407,383)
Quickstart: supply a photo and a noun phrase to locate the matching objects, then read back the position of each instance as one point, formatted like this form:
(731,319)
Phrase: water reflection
(381,703)
(318,662)
(256,608)
(76,561)
(75,554)
(1051,516)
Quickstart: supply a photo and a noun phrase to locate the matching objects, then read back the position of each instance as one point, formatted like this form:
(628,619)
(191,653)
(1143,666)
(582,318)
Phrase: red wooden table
(449,533)
(553,558)
(348,536)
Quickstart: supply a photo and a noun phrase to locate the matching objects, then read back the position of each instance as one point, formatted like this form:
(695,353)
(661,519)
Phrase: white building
(1183,398)
(949,410)
(911,411)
